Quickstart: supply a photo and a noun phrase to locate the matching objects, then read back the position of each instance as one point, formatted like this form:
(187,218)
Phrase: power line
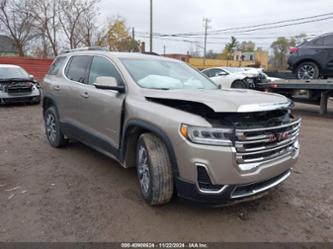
(216,40)
(285,25)
(251,28)
(274,23)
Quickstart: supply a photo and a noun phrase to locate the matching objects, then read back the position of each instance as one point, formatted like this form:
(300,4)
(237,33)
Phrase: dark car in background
(17,86)
(313,59)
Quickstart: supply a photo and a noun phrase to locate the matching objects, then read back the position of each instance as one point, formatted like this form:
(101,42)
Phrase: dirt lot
(77,194)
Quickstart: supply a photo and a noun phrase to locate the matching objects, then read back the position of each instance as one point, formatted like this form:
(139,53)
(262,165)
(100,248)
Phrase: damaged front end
(257,137)
(253,119)
(16,87)
(19,90)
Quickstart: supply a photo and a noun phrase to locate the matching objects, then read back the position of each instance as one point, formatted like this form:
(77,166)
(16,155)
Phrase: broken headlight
(207,135)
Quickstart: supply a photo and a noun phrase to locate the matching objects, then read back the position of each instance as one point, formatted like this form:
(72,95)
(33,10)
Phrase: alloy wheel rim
(306,72)
(143,170)
(51,127)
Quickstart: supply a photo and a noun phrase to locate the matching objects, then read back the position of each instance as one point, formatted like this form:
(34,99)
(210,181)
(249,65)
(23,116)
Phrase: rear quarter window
(56,65)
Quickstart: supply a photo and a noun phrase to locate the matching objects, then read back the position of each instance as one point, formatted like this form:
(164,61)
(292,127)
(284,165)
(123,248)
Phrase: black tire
(55,136)
(159,189)
(307,70)
(239,84)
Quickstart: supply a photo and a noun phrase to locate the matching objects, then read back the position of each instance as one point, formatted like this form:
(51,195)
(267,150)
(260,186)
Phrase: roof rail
(96,48)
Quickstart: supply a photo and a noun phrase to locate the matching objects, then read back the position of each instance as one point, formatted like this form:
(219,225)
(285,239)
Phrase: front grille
(268,143)
(19,90)
(18,87)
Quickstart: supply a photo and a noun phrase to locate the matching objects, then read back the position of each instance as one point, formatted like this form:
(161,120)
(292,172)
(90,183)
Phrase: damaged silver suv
(184,134)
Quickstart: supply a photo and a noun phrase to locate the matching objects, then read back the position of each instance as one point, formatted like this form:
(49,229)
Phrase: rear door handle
(84,95)
(56,88)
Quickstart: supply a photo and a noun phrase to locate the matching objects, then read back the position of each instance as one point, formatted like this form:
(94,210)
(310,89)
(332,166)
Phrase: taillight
(293,50)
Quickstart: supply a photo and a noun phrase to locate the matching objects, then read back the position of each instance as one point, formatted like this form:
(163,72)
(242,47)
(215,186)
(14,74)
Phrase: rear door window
(77,69)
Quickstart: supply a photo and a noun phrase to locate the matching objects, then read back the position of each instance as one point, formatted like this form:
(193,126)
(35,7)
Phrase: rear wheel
(154,170)
(307,71)
(239,84)
(52,128)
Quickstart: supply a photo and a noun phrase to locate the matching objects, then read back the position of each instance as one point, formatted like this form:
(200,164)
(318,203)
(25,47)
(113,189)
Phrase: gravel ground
(77,194)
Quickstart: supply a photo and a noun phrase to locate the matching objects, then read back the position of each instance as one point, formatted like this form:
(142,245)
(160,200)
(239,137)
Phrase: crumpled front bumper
(231,194)
(30,97)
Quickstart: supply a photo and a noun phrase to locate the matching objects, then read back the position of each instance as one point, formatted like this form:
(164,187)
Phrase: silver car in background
(17,86)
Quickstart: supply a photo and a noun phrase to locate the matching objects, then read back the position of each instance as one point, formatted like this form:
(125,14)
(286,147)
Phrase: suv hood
(226,100)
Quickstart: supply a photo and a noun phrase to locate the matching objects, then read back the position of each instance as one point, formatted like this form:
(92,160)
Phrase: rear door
(103,108)
(76,75)
(55,86)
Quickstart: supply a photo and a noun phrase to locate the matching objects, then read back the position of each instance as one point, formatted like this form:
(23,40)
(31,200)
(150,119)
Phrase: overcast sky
(180,16)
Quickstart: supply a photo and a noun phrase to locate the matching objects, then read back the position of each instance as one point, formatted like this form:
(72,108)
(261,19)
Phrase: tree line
(45,27)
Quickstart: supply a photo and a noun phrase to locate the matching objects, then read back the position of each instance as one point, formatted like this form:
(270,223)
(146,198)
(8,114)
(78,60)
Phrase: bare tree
(75,22)
(88,28)
(16,23)
(46,15)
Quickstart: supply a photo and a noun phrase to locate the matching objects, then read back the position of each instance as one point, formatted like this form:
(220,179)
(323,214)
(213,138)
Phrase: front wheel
(52,128)
(239,84)
(154,170)
(307,71)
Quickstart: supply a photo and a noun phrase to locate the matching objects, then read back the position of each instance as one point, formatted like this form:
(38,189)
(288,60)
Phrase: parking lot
(77,194)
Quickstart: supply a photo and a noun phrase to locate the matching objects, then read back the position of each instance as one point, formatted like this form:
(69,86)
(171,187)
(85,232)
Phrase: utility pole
(206,27)
(164,48)
(133,43)
(133,33)
(151,26)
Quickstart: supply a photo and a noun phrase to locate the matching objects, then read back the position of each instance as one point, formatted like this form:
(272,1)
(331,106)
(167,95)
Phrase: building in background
(244,56)
(7,47)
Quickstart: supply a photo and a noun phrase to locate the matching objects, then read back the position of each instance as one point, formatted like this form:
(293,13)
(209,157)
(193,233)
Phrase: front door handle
(84,95)
(56,88)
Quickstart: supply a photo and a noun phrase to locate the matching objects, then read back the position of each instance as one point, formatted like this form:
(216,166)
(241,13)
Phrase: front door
(103,108)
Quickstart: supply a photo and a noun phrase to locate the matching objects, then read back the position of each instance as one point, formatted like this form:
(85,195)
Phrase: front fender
(147,127)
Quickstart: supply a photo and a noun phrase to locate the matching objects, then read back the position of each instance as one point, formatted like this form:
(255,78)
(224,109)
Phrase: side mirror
(108,83)
(31,76)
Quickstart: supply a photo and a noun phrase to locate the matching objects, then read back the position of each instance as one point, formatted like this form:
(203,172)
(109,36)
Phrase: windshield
(161,74)
(12,72)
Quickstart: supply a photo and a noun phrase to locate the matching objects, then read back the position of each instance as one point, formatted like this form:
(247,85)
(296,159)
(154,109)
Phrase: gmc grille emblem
(277,137)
